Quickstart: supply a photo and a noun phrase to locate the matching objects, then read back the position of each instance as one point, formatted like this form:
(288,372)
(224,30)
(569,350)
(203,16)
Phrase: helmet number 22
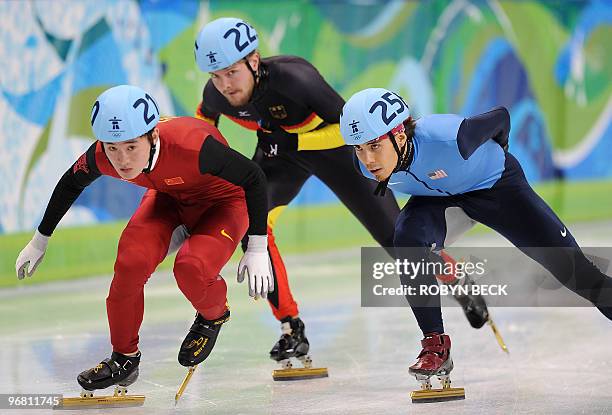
(390,99)
(236,31)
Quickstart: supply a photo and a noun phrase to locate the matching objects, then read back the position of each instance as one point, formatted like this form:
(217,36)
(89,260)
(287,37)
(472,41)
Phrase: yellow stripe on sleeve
(322,139)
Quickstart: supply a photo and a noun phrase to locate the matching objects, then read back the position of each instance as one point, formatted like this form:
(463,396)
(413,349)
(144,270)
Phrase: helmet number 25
(236,31)
(390,99)
(141,101)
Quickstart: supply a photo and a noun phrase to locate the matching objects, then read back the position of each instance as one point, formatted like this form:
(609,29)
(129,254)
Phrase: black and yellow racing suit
(291,94)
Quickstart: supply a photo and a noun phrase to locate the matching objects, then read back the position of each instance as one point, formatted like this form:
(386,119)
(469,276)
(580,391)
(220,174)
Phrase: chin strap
(260,76)
(404,158)
(151,154)
(381,189)
(248,65)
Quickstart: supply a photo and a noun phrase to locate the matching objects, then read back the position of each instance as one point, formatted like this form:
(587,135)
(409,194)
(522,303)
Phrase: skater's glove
(179,235)
(256,264)
(31,255)
(276,142)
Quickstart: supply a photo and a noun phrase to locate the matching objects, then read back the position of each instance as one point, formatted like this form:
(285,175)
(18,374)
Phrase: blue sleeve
(474,131)
(438,127)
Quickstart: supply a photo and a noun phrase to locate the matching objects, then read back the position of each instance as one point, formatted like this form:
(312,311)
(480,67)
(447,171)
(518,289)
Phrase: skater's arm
(305,84)
(203,111)
(80,175)
(474,131)
(228,164)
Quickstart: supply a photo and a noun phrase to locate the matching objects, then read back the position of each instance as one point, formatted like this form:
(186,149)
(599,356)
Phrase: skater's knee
(187,265)
(192,267)
(134,262)
(404,237)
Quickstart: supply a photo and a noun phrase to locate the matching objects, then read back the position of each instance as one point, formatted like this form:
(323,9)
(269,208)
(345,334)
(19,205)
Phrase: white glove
(31,255)
(179,235)
(256,263)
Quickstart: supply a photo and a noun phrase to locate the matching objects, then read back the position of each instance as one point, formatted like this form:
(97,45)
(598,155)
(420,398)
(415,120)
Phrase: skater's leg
(212,241)
(421,226)
(513,209)
(142,246)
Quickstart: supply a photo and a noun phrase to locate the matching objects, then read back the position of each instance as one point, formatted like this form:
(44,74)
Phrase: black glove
(276,142)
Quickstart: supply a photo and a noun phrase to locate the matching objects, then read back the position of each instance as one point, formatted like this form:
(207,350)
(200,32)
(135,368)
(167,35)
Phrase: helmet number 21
(236,31)
(141,101)
(390,99)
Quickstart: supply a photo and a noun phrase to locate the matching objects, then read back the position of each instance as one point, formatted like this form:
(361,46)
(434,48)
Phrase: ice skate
(121,371)
(201,339)
(475,309)
(293,344)
(197,345)
(474,306)
(434,360)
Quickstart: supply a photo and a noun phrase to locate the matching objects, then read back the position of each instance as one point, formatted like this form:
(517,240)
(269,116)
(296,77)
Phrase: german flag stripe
(251,125)
(199,115)
(208,120)
(309,124)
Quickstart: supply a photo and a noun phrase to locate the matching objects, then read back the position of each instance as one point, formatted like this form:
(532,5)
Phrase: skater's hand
(31,255)
(276,142)
(179,235)
(256,264)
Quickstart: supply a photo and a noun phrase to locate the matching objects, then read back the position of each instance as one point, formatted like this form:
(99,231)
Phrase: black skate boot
(474,306)
(201,339)
(293,341)
(475,309)
(119,370)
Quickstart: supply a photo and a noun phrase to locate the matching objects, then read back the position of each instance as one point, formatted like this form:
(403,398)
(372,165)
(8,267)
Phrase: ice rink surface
(559,361)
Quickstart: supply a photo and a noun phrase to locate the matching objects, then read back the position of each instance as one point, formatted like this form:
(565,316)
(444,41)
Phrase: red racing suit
(195,180)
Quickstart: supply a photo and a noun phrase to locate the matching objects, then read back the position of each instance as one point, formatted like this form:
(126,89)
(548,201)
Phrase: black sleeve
(356,163)
(228,164)
(474,131)
(71,184)
(204,110)
(306,84)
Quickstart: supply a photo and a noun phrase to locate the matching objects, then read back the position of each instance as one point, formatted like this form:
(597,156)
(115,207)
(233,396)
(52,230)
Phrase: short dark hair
(409,126)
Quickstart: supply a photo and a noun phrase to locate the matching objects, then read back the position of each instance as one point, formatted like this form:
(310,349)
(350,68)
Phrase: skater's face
(130,157)
(236,82)
(379,156)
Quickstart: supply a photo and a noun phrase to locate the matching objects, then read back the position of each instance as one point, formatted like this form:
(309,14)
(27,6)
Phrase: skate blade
(437,395)
(184,384)
(498,337)
(100,402)
(300,373)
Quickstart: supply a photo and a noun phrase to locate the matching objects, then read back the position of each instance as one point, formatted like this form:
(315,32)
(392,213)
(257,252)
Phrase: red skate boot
(434,360)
